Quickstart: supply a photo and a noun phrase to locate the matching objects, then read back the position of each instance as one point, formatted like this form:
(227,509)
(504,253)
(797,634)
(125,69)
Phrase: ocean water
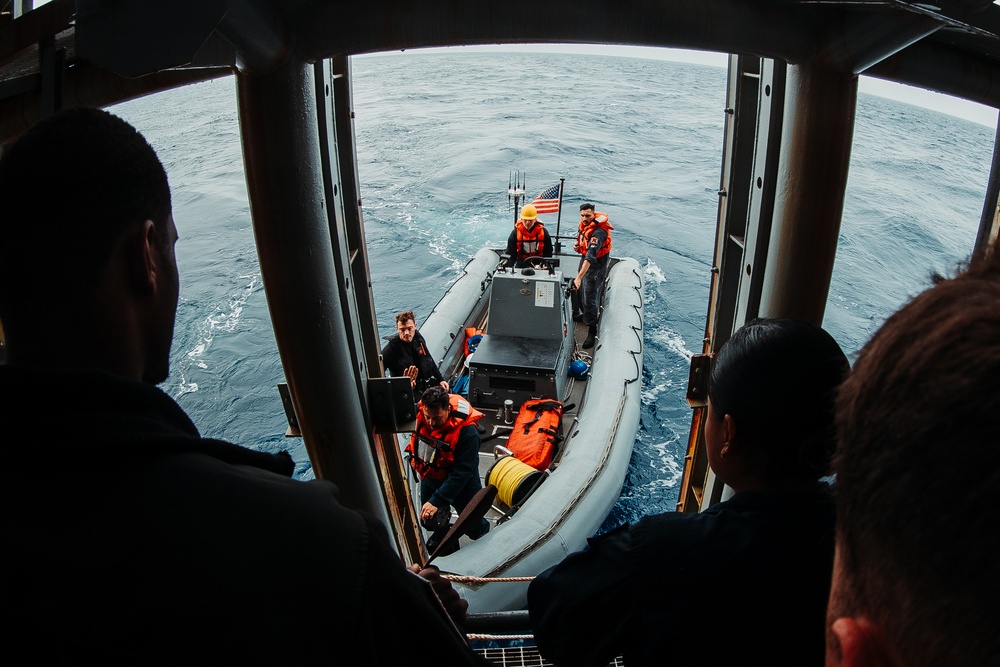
(438,134)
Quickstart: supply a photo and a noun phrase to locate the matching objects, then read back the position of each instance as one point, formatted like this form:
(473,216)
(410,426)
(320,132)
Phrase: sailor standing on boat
(528,238)
(593,242)
(444,452)
(406,354)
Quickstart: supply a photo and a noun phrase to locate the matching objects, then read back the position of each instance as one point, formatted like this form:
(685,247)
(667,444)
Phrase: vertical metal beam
(815,157)
(989,223)
(51,66)
(337,147)
(762,187)
(284,168)
(750,174)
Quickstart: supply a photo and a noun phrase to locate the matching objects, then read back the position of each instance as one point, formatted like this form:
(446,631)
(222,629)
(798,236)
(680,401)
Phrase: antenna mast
(515,191)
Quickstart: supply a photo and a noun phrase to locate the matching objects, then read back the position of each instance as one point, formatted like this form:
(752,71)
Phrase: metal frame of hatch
(788,134)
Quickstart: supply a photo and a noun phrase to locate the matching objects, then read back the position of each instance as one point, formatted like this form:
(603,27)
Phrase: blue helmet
(578,370)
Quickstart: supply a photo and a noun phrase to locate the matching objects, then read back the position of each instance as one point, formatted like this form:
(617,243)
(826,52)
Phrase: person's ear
(145,259)
(861,644)
(729,433)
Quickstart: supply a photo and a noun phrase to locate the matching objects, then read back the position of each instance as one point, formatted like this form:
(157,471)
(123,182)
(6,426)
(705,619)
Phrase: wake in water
(437,134)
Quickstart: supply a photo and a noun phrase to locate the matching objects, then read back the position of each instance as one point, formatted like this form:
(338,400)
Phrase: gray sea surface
(438,134)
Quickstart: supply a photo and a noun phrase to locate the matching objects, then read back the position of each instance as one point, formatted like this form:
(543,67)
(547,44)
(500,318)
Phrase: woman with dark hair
(652,591)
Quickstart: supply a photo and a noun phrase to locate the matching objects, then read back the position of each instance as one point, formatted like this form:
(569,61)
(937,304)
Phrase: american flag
(548,200)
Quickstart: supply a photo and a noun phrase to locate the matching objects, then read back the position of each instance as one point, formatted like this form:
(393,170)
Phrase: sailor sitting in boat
(444,452)
(528,239)
(406,354)
(766,553)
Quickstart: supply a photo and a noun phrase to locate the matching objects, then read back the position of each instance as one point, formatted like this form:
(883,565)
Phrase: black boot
(591,335)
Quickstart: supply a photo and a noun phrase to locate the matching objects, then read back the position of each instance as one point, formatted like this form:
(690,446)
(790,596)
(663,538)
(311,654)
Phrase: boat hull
(580,491)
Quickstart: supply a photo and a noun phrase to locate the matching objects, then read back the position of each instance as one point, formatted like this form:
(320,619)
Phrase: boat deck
(525,656)
(494,430)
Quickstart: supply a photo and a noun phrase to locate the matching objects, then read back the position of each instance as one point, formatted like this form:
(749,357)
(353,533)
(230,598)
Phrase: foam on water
(437,133)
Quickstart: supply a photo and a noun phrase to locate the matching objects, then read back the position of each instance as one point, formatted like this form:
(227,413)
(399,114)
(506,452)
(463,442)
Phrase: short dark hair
(918,468)
(70,186)
(436,397)
(405,316)
(778,379)
(584,207)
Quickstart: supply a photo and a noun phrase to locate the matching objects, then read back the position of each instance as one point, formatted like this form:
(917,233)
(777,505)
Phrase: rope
(485,638)
(466,579)
(507,475)
(635,330)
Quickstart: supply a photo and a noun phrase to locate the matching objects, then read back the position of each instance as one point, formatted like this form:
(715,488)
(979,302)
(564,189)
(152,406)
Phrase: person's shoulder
(671,529)
(391,345)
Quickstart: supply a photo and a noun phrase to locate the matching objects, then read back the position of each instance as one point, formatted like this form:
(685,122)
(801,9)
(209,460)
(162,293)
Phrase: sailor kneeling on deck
(444,452)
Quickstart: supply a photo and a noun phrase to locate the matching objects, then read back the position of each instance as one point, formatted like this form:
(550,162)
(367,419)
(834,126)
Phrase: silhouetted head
(773,386)
(918,468)
(73,189)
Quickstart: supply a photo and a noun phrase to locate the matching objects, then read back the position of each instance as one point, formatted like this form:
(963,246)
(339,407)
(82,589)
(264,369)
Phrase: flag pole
(559,211)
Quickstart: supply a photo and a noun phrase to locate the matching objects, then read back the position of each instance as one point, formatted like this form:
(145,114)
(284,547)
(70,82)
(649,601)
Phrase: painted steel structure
(793,86)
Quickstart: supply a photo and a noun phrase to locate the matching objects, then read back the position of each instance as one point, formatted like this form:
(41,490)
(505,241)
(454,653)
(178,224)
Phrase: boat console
(528,343)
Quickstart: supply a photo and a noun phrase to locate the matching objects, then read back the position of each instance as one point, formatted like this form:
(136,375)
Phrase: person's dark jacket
(129,538)
(397,356)
(743,583)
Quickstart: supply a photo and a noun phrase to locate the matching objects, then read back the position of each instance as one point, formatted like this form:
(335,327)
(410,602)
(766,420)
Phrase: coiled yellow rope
(507,474)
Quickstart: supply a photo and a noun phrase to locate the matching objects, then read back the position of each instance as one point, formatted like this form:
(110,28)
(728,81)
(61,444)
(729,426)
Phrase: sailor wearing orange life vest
(444,452)
(593,242)
(529,238)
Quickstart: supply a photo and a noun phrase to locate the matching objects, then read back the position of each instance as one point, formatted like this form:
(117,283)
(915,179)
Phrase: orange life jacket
(530,243)
(432,451)
(585,231)
(537,432)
